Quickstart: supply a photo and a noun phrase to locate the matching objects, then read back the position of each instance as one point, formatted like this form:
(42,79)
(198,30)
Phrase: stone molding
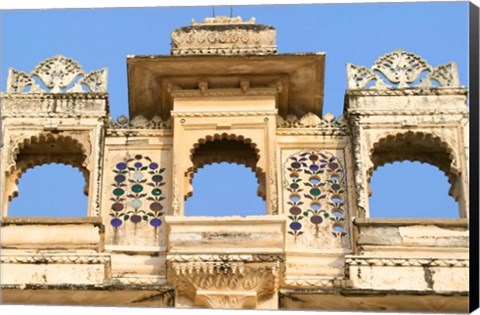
(311,124)
(139,280)
(224,114)
(139,122)
(57,73)
(225,257)
(309,283)
(178,93)
(55,259)
(411,91)
(57,105)
(403,69)
(406,262)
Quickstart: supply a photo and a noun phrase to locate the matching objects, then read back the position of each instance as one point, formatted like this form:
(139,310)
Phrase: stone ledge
(230,220)
(373,222)
(408,91)
(368,292)
(96,221)
(89,287)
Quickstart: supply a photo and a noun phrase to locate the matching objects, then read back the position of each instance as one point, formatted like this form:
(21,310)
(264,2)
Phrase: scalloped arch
(415,146)
(20,163)
(217,156)
(31,165)
(44,139)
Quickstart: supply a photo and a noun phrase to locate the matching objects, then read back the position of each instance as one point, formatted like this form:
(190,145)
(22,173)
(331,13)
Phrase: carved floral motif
(315,188)
(311,120)
(227,281)
(402,69)
(139,122)
(57,74)
(131,194)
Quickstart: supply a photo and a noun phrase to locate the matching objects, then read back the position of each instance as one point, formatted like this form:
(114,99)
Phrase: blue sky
(356,33)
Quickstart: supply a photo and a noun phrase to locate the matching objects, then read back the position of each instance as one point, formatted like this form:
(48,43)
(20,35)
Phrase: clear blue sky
(356,33)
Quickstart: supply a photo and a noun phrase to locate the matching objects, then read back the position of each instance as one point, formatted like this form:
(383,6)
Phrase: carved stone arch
(415,146)
(45,148)
(24,167)
(225,147)
(67,141)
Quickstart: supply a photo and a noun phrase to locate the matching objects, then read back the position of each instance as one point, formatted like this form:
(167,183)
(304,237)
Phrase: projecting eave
(152,78)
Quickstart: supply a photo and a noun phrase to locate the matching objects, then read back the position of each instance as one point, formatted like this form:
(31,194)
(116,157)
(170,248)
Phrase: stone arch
(41,149)
(416,146)
(225,147)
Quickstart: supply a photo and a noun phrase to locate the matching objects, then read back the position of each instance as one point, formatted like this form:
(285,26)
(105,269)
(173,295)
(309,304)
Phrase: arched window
(39,150)
(224,190)
(411,190)
(53,190)
(408,188)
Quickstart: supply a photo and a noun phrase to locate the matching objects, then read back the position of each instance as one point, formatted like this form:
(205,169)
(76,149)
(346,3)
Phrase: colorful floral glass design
(137,194)
(315,191)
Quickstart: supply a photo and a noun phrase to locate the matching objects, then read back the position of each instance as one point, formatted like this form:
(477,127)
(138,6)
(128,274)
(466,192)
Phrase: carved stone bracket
(402,69)
(226,281)
(57,74)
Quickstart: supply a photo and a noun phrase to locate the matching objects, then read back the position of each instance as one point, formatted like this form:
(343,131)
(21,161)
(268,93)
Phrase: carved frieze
(406,262)
(224,35)
(312,123)
(58,105)
(139,122)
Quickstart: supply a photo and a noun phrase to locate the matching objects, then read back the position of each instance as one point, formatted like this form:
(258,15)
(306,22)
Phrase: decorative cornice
(403,69)
(224,92)
(140,280)
(294,282)
(311,124)
(139,132)
(225,257)
(55,259)
(224,114)
(37,105)
(406,262)
(139,122)
(408,91)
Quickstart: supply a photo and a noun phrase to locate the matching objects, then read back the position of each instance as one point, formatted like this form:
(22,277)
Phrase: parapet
(224,36)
